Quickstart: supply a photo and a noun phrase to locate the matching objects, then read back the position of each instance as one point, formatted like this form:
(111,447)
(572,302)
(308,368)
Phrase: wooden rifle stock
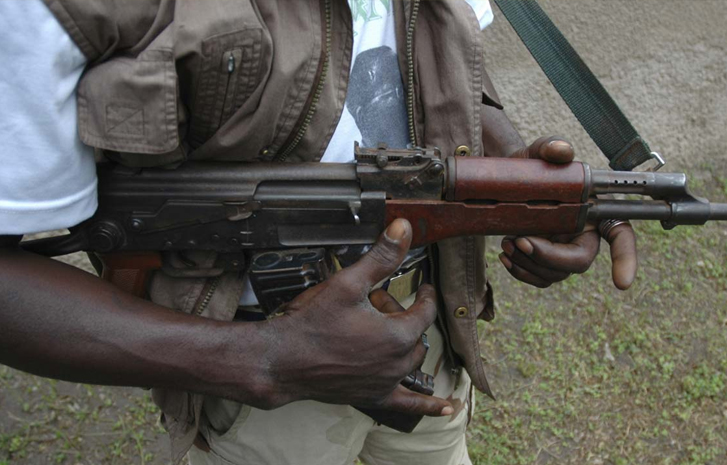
(130,271)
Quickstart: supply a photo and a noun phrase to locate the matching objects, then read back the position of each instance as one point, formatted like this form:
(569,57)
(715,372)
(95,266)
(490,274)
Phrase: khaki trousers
(313,433)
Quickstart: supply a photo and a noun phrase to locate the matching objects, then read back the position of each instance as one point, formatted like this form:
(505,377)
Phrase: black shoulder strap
(594,108)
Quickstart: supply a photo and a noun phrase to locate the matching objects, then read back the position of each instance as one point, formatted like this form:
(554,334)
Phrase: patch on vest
(124,119)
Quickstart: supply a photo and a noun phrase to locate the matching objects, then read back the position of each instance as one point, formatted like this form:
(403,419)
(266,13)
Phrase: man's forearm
(331,345)
(60,322)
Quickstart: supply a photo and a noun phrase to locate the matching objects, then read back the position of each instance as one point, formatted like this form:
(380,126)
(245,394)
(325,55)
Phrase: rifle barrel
(718,211)
(629,210)
(681,212)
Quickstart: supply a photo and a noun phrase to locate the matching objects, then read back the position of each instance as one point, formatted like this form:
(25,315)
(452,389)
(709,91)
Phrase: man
(239,80)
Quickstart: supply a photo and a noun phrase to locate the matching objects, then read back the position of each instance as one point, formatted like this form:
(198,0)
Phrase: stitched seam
(476,127)
(476,77)
(309,76)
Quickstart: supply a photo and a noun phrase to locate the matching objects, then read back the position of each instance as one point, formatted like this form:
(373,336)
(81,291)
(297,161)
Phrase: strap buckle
(655,160)
(660,162)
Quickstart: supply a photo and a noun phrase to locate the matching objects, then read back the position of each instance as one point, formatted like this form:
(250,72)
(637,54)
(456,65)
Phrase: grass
(583,374)
(50,422)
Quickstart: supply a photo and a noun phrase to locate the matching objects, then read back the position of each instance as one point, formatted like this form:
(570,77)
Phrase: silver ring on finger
(606,226)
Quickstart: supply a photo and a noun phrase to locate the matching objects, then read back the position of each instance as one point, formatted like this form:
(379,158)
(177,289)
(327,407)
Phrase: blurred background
(583,373)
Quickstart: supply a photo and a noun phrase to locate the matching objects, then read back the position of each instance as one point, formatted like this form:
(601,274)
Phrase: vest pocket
(229,73)
(130,104)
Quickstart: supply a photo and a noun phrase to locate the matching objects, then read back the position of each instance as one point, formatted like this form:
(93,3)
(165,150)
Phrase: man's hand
(336,345)
(542,261)
(332,345)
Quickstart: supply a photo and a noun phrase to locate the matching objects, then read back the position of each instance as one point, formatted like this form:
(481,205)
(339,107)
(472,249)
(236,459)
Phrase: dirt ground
(583,374)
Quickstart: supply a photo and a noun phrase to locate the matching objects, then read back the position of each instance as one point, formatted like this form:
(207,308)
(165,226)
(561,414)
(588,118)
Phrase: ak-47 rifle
(257,216)
(236,209)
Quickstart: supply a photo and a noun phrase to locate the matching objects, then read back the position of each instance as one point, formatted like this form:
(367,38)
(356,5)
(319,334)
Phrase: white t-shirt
(375,109)
(48,177)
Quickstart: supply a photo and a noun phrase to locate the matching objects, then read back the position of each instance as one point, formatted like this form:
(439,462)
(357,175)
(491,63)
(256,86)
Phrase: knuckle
(426,296)
(425,308)
(400,343)
(582,264)
(428,290)
(580,268)
(517,273)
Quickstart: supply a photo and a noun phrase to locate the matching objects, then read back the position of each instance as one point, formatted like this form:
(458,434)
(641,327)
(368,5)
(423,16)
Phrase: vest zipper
(287,150)
(207,291)
(230,66)
(410,71)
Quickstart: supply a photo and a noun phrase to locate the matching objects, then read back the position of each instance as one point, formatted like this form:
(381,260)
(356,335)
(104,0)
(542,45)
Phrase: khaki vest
(159,90)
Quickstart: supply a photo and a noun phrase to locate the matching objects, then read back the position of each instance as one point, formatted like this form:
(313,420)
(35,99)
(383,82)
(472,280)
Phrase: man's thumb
(386,255)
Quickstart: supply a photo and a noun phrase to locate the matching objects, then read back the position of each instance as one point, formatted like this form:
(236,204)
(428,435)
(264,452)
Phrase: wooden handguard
(499,196)
(515,180)
(130,271)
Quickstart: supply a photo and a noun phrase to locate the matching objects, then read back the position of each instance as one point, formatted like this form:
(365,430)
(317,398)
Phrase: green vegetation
(45,421)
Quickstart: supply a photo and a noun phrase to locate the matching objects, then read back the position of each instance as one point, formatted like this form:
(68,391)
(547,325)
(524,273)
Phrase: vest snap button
(463,151)
(461,312)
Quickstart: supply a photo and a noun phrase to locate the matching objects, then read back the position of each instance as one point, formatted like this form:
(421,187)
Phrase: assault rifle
(235,209)
(277,220)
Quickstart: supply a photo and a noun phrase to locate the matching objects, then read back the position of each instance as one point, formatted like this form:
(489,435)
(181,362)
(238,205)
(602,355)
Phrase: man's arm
(542,261)
(60,322)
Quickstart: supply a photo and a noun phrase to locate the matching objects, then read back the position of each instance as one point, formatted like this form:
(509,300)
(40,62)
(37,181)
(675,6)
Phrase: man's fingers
(532,150)
(384,302)
(525,262)
(385,256)
(421,314)
(553,149)
(523,275)
(572,257)
(556,151)
(405,401)
(624,260)
(418,355)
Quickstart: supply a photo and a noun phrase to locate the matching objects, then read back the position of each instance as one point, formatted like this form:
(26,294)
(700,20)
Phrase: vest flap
(130,104)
